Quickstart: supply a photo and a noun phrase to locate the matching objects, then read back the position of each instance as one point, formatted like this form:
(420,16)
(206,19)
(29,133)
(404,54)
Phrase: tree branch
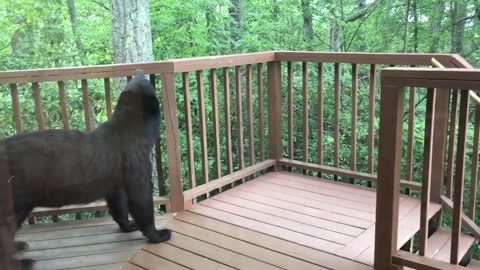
(101,4)
(362,12)
(360,24)
(475,15)
(11,39)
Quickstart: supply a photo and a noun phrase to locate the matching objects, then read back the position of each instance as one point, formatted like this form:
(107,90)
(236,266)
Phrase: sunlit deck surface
(277,221)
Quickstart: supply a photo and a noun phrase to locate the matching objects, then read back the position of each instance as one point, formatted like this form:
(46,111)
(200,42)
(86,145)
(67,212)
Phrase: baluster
(238,93)
(336,120)
(216,127)
(371,120)
(203,127)
(459,176)
(261,124)
(451,143)
(188,124)
(108,96)
(427,169)
(474,172)
(320,115)
(353,134)
(228,123)
(305,111)
(290,110)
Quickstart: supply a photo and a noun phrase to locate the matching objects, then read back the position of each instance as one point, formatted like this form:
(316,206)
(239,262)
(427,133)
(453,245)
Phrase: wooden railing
(335,65)
(192,91)
(395,81)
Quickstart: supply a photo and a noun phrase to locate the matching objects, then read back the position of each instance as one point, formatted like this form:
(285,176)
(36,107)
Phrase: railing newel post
(172,140)
(274,82)
(388,185)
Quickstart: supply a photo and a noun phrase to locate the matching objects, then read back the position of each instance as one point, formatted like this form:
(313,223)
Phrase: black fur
(53,168)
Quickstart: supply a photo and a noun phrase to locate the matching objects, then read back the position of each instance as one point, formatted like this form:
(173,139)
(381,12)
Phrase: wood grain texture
(451,141)
(388,187)
(261,122)
(86,106)
(290,109)
(239,115)
(16,108)
(216,123)
(38,106)
(188,127)
(305,112)
(173,142)
(371,119)
(228,123)
(336,116)
(459,176)
(427,169)
(63,104)
(274,110)
(320,89)
(203,126)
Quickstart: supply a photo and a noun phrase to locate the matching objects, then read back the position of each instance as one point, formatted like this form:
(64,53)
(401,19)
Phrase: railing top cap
(223,61)
(455,78)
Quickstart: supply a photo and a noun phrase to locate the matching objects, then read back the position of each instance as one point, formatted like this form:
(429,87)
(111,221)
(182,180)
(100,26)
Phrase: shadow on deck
(277,221)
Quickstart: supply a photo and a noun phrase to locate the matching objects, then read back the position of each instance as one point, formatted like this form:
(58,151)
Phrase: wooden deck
(277,221)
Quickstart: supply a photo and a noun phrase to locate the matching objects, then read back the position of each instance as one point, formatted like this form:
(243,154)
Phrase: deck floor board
(280,220)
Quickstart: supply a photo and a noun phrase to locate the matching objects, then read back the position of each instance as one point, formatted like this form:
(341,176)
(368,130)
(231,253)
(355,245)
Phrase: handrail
(199,63)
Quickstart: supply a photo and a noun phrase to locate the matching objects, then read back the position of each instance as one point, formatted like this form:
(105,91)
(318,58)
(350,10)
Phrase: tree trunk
(72,12)
(405,33)
(335,32)
(458,11)
(73,21)
(236,13)
(131,32)
(276,9)
(415,26)
(307,20)
(436,25)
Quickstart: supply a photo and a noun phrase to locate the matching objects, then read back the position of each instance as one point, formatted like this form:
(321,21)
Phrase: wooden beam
(91,207)
(427,169)
(81,73)
(388,186)
(342,172)
(274,109)
(407,259)
(466,221)
(172,141)
(227,179)
(459,176)
(456,78)
(362,58)
(209,62)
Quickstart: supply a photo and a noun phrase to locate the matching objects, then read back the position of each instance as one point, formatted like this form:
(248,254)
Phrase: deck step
(439,245)
(474,265)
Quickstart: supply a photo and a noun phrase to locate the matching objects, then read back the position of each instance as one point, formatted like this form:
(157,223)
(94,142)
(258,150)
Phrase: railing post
(427,168)
(275,110)
(173,143)
(439,142)
(388,186)
(459,176)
